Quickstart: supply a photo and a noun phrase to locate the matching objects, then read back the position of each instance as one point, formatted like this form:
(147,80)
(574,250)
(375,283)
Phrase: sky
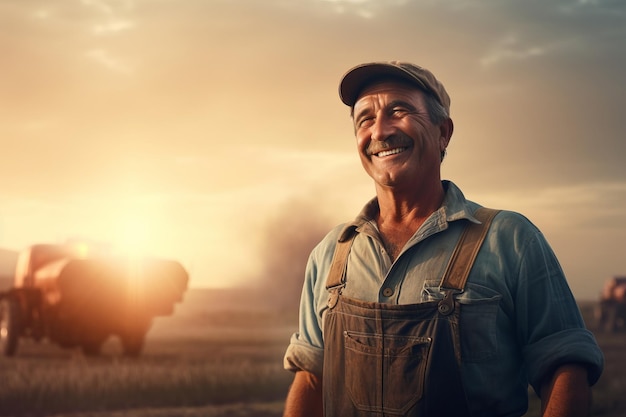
(181,128)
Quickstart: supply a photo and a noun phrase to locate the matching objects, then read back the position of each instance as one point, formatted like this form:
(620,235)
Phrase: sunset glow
(178,129)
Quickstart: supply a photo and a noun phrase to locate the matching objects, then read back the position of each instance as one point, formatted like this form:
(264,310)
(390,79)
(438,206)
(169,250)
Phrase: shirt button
(388,292)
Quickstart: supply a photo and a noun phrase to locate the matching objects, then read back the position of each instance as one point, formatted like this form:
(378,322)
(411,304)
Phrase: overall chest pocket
(385,373)
(478,321)
(479,341)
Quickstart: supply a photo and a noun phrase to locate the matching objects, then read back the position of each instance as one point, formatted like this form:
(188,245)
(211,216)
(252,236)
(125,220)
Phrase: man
(381,331)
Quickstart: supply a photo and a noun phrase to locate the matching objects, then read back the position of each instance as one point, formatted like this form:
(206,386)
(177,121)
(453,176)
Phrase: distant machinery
(611,309)
(76,298)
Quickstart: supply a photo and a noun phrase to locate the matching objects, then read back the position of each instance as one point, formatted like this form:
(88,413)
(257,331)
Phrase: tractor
(611,310)
(77,298)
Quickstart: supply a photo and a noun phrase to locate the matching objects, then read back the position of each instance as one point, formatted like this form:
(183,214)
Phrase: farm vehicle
(611,310)
(78,299)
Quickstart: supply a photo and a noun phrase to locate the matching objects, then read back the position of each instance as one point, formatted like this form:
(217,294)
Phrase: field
(219,355)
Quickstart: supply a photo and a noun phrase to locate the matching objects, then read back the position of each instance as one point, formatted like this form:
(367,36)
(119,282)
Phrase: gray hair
(437,113)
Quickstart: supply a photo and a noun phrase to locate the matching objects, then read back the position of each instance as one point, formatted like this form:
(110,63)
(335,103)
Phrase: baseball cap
(357,78)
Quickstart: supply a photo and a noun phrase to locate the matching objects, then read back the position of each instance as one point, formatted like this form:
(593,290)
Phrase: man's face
(398,145)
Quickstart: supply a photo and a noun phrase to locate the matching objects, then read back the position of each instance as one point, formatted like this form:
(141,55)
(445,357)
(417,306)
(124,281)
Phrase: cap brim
(359,77)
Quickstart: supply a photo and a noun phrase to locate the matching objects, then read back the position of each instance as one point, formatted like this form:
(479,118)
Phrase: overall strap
(336,279)
(463,257)
(466,249)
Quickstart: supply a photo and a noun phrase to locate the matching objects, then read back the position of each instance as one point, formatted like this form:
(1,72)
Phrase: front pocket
(385,373)
(479,341)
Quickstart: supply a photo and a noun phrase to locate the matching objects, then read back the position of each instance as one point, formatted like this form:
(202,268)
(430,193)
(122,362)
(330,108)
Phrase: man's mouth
(390,152)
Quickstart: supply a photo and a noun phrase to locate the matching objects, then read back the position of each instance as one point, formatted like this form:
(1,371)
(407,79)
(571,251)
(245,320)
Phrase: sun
(134,235)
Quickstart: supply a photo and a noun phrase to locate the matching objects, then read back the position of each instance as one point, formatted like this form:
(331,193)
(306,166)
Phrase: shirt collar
(454,207)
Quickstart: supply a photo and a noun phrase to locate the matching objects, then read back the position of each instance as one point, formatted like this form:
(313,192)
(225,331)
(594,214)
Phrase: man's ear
(446,129)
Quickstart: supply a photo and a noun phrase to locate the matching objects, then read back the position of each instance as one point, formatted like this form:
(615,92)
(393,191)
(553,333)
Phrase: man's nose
(381,129)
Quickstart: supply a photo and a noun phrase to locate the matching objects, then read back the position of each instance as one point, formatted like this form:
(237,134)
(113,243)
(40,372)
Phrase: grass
(202,361)
(190,361)
(82,385)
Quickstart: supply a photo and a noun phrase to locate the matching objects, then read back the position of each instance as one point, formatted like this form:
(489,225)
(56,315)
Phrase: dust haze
(287,239)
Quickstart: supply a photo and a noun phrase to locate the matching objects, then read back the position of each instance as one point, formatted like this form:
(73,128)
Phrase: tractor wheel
(91,347)
(9,325)
(600,315)
(610,318)
(133,335)
(620,316)
(132,343)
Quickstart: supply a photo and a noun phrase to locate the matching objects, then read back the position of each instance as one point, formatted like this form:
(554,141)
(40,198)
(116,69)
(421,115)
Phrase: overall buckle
(446,306)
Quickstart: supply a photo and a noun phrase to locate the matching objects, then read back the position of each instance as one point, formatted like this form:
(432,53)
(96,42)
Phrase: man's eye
(365,122)
(399,112)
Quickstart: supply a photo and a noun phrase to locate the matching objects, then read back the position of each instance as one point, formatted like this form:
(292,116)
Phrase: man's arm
(567,393)
(305,396)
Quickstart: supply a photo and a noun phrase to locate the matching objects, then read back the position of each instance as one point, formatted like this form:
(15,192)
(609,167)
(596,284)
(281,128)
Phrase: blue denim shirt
(519,319)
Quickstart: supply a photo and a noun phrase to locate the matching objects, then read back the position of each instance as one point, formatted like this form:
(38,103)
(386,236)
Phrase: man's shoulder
(457,206)
(509,220)
(329,241)
(514,230)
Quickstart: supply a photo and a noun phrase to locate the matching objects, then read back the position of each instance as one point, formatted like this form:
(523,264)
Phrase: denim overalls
(397,360)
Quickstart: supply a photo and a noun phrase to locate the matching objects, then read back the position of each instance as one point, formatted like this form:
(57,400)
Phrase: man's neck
(402,214)
(406,207)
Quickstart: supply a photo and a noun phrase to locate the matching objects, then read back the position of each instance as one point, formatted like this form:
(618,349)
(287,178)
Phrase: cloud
(112,27)
(571,29)
(513,48)
(510,48)
(367,9)
(608,7)
(589,205)
(110,16)
(109,7)
(100,5)
(42,14)
(104,58)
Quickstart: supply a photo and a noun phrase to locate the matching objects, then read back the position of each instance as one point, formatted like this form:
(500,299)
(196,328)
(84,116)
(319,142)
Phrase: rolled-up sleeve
(568,346)
(551,326)
(302,356)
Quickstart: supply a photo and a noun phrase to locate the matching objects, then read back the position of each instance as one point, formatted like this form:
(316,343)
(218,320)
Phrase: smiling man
(427,304)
